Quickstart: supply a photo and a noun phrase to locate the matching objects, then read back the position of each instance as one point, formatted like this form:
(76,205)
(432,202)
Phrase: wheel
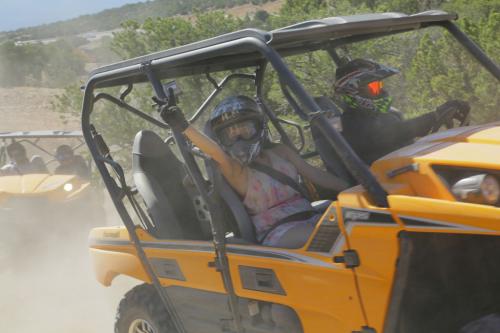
(142,311)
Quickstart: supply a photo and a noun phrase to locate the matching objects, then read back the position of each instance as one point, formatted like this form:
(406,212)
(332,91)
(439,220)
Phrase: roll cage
(244,49)
(33,138)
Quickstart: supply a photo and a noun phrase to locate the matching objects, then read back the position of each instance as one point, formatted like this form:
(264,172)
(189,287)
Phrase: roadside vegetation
(112,18)
(433,67)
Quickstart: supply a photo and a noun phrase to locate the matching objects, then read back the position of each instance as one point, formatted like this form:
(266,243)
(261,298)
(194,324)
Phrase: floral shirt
(268,201)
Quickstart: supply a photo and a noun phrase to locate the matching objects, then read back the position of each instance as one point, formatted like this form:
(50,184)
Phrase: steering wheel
(449,111)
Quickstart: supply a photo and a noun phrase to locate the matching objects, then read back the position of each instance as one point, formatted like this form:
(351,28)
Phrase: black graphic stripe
(366,216)
(198,248)
(424,223)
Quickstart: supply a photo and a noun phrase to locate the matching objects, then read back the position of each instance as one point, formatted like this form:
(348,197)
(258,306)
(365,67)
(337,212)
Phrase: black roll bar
(221,260)
(472,47)
(217,90)
(101,161)
(358,169)
(130,108)
(351,160)
(272,117)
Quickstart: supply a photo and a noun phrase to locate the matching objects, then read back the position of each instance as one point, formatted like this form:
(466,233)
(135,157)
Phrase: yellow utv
(413,246)
(39,190)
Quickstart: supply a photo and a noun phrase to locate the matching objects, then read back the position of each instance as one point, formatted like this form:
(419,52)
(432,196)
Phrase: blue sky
(25,13)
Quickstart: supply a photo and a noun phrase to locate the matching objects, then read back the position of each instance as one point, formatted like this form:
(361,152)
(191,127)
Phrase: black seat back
(234,212)
(329,156)
(158,176)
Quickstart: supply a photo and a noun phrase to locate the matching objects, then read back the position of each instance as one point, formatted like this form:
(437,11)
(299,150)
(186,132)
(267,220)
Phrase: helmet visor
(374,88)
(244,130)
(64,156)
(16,154)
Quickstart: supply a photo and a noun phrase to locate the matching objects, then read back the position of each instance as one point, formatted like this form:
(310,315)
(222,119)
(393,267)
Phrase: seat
(158,176)
(329,156)
(235,214)
(38,164)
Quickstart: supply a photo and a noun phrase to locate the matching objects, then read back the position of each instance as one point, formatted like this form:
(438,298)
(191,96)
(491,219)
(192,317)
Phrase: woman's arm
(233,171)
(315,175)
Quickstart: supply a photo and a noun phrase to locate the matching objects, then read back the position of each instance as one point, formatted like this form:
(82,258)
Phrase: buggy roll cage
(244,49)
(33,137)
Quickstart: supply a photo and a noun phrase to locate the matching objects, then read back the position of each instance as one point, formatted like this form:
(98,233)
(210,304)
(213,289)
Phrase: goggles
(64,156)
(244,130)
(374,88)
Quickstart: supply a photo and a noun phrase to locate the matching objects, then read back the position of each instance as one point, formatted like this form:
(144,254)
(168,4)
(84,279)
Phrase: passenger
(70,164)
(370,125)
(279,208)
(19,163)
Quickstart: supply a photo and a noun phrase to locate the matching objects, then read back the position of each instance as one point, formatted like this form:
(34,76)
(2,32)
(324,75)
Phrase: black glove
(454,109)
(172,114)
(174,117)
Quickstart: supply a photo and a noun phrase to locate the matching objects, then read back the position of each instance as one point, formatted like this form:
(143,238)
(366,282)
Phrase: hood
(33,184)
(472,146)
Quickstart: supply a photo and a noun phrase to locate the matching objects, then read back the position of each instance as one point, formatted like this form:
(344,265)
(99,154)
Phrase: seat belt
(289,181)
(300,216)
(281,177)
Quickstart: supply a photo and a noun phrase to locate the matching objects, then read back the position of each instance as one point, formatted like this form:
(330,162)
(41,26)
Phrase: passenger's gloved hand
(172,114)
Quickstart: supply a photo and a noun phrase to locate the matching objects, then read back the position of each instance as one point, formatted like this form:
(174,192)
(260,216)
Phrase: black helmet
(64,152)
(17,153)
(16,147)
(239,127)
(359,83)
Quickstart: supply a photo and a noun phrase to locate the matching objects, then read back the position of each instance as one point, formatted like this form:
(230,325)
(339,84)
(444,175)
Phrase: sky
(16,14)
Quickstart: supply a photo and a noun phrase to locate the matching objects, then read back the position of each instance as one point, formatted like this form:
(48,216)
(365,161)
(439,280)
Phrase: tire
(141,310)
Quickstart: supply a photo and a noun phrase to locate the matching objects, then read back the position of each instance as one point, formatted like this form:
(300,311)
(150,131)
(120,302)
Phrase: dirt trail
(29,108)
(50,286)
(53,290)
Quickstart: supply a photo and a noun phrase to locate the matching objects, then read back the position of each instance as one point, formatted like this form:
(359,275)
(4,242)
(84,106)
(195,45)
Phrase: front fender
(112,254)
(109,264)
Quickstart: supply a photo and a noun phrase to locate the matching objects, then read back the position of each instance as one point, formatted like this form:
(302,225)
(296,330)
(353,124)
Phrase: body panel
(321,292)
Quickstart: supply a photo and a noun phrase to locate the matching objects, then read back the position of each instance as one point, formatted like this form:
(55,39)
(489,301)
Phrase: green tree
(433,66)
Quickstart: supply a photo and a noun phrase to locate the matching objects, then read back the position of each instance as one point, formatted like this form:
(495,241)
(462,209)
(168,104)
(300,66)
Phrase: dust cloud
(47,283)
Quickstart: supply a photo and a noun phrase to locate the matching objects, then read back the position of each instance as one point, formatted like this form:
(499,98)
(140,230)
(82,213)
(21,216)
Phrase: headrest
(326,104)
(149,144)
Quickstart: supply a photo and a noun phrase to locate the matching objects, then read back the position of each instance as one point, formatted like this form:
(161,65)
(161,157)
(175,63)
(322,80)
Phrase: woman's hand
(173,116)
(171,113)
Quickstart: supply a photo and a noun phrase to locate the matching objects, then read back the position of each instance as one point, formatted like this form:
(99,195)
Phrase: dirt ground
(53,289)
(50,287)
(29,109)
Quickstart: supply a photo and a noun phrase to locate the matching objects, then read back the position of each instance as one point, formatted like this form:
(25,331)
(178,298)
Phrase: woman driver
(282,216)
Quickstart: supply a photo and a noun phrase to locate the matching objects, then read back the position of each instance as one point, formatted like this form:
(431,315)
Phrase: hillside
(25,109)
(112,18)
(59,54)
